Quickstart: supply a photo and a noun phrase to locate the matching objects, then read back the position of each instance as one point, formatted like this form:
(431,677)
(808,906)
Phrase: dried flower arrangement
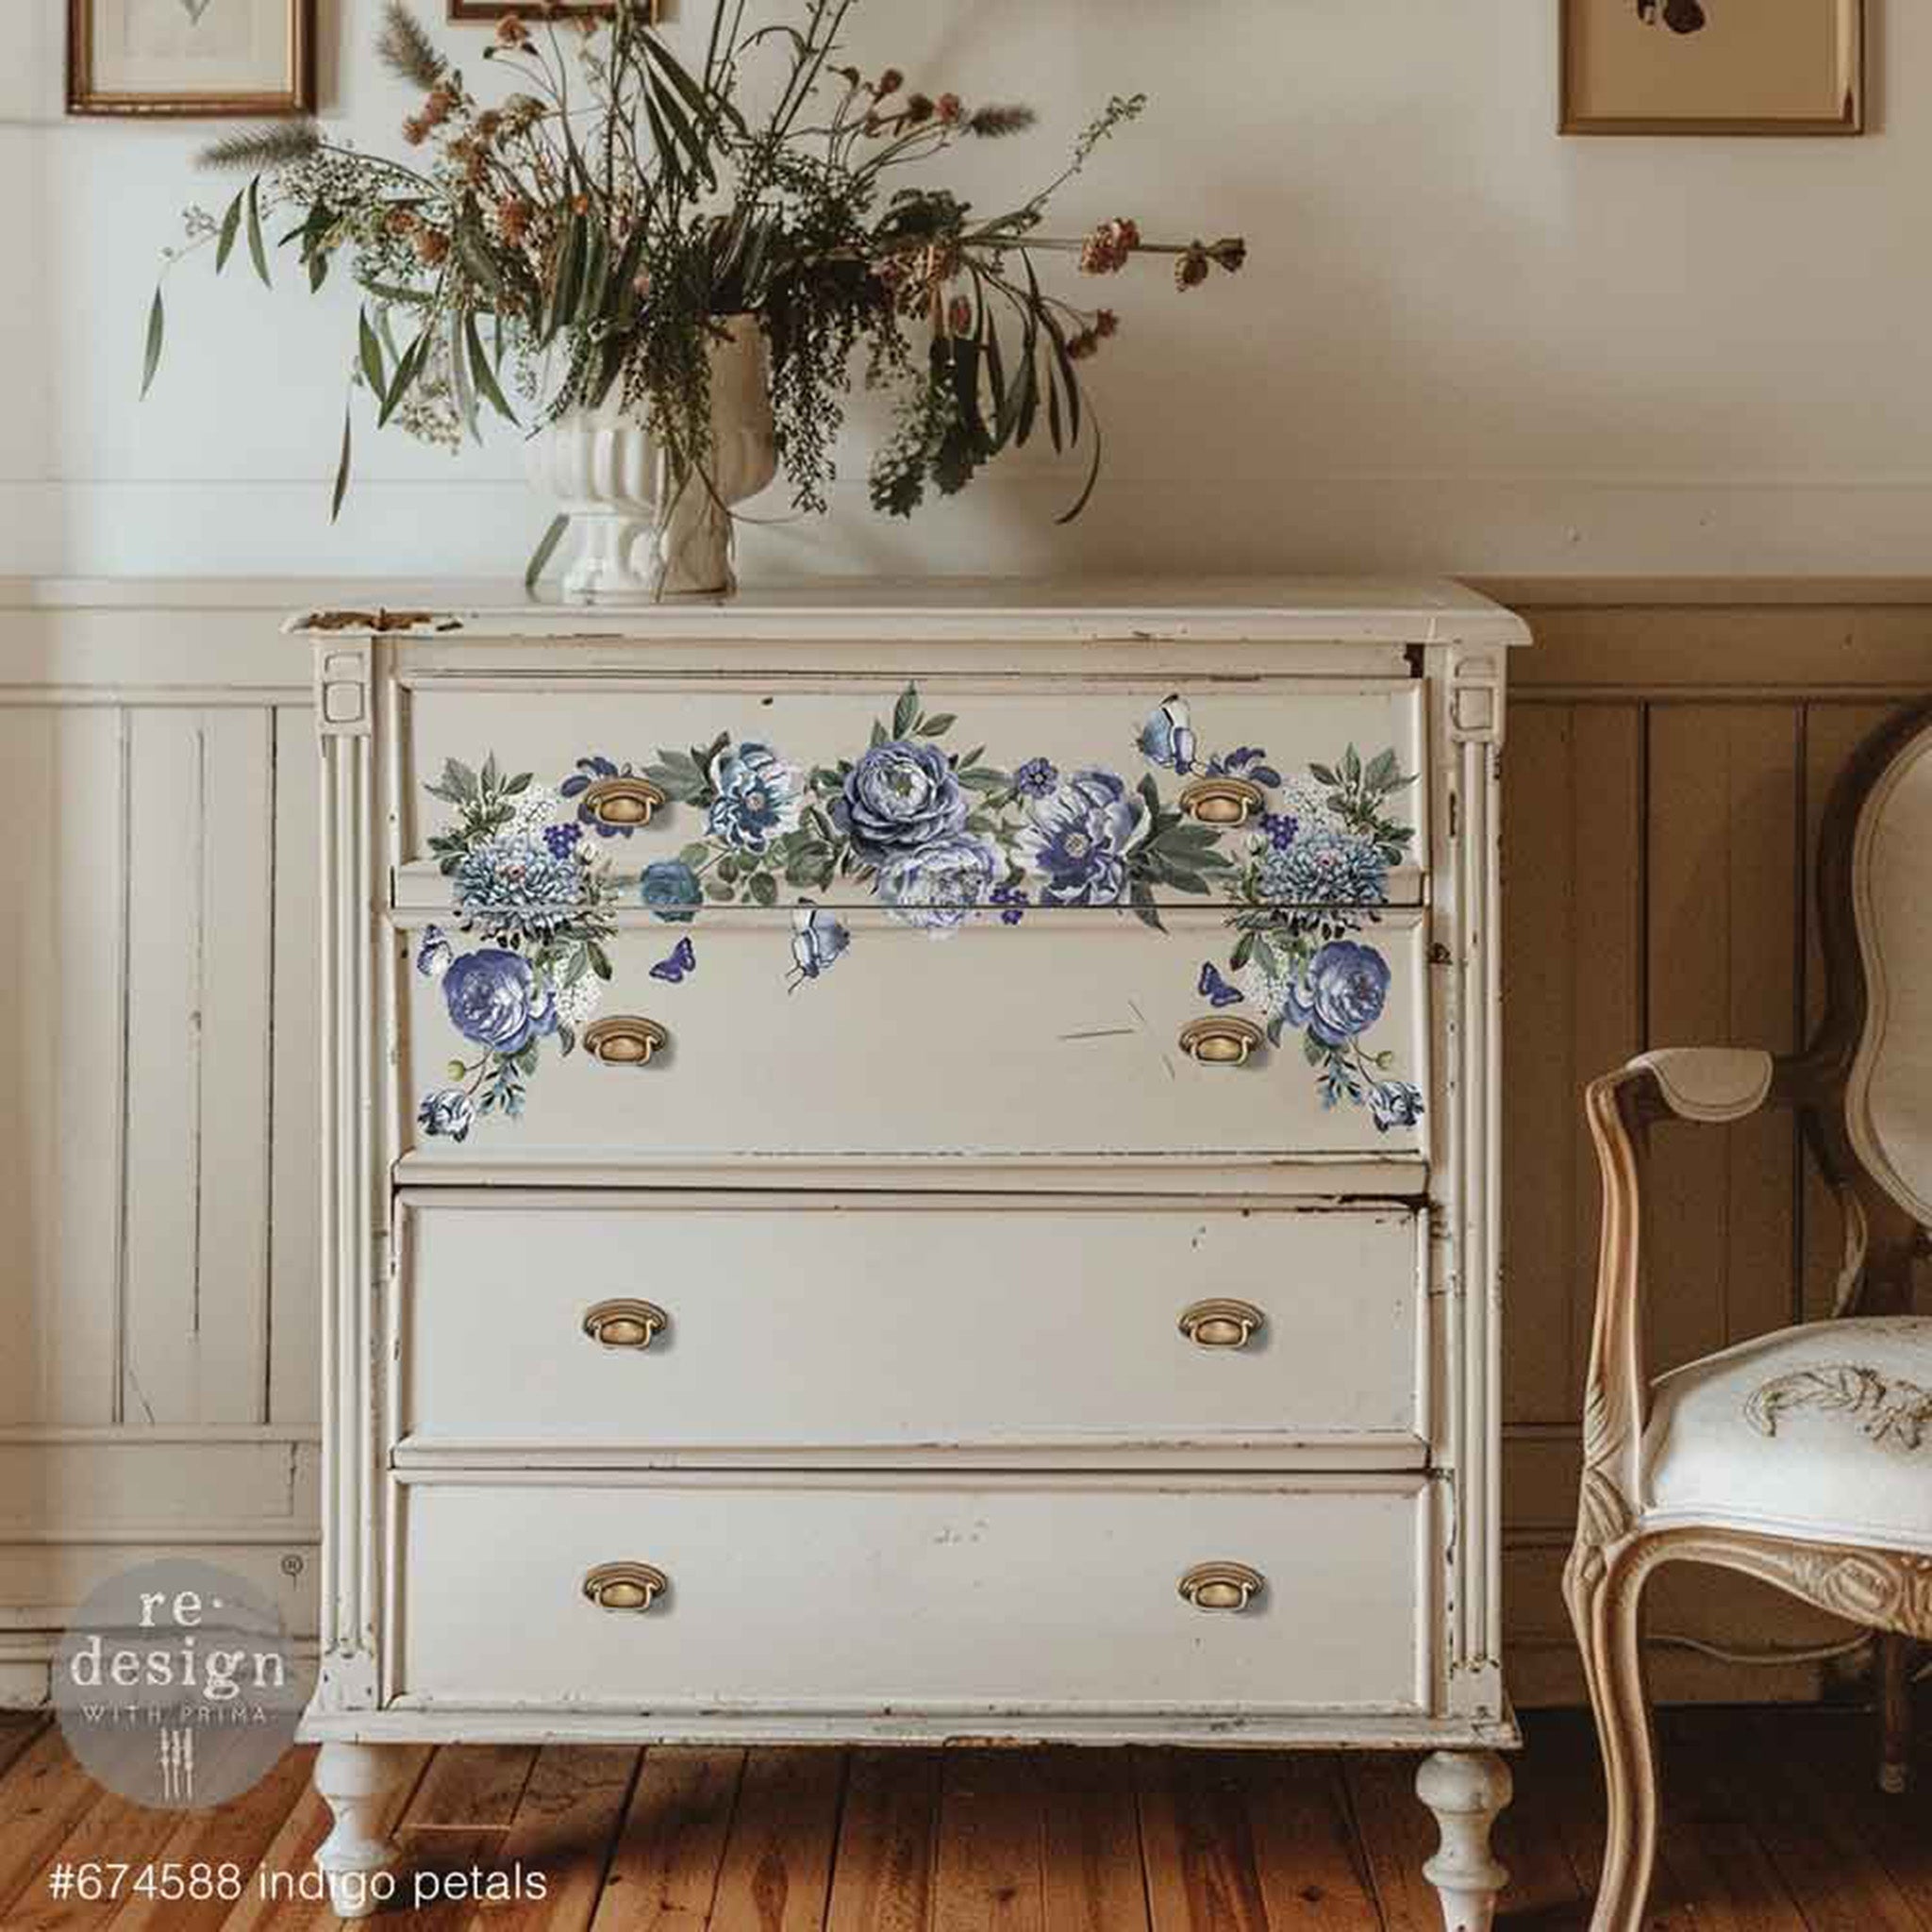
(587,235)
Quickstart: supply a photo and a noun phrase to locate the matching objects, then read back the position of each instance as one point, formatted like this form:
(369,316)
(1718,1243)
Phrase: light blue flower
(496,1001)
(518,886)
(1168,738)
(1340,992)
(434,955)
(1394,1104)
(937,885)
(671,889)
(447,1113)
(1324,868)
(759,797)
(817,941)
(899,795)
(1078,839)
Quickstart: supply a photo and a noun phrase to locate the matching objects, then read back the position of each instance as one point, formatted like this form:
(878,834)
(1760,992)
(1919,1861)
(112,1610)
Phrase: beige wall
(1462,344)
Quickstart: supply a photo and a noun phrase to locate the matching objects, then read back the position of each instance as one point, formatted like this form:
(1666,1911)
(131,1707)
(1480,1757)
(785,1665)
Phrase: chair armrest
(1694,1083)
(1709,1083)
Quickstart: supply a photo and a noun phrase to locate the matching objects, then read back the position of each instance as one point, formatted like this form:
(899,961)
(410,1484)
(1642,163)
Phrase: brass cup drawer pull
(1216,1040)
(626,1324)
(1230,1587)
(624,1039)
(1222,1323)
(1220,801)
(626,802)
(632,1587)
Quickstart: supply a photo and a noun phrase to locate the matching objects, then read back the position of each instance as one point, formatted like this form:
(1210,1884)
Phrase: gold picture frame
(1711,67)
(109,80)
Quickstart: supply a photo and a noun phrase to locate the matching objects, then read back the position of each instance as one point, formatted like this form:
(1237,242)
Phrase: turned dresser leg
(355,1779)
(1466,1789)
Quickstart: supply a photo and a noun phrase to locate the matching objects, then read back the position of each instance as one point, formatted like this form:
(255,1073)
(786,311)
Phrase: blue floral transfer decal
(938,838)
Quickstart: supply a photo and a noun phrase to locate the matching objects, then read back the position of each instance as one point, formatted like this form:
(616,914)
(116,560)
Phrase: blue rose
(447,1113)
(759,797)
(937,885)
(899,795)
(1341,993)
(1078,839)
(496,1001)
(1394,1104)
(671,889)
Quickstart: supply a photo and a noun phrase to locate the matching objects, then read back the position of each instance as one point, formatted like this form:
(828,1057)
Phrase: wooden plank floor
(1773,1825)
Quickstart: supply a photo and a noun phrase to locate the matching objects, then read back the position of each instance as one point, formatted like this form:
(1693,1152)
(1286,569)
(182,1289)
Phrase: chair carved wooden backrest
(1713,1463)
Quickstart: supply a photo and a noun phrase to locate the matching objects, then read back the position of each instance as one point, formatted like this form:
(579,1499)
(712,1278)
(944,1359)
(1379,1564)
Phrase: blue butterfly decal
(680,959)
(1215,990)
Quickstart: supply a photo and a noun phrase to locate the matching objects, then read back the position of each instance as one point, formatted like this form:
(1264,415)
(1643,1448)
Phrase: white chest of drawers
(908,1165)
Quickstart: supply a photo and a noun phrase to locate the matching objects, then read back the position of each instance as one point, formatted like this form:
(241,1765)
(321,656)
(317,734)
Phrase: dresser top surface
(1264,609)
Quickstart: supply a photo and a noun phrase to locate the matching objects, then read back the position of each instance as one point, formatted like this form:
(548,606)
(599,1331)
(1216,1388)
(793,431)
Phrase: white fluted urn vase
(644,530)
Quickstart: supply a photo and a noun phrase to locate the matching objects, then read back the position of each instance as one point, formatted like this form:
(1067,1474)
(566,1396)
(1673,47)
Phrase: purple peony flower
(1340,992)
(497,1002)
(1078,839)
(899,795)
(1036,779)
(759,797)
(937,885)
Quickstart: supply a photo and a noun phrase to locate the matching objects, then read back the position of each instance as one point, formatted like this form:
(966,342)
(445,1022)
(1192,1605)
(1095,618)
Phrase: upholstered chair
(1802,1458)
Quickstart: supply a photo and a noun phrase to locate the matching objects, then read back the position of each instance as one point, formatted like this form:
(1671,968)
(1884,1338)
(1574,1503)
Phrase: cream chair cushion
(1822,1434)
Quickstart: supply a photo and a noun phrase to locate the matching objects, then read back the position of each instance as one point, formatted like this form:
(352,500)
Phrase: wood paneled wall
(1666,773)
(1666,768)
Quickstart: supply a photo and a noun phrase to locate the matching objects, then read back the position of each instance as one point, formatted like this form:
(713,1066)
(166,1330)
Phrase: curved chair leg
(1895,1706)
(1606,1597)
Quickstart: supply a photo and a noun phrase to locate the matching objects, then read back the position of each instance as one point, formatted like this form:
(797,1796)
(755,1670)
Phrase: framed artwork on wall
(531,9)
(1712,66)
(190,57)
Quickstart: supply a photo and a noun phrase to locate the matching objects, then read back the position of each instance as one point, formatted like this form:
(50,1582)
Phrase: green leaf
(540,556)
(1323,775)
(718,892)
(370,347)
(939,726)
(1086,494)
(764,888)
(405,372)
(600,960)
(905,712)
(231,227)
(257,248)
(156,324)
(696,853)
(486,377)
(1382,772)
(341,488)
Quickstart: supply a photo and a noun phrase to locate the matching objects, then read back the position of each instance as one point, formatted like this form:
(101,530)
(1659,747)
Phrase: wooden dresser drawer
(1007,1594)
(1060,1036)
(739,759)
(792,1325)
